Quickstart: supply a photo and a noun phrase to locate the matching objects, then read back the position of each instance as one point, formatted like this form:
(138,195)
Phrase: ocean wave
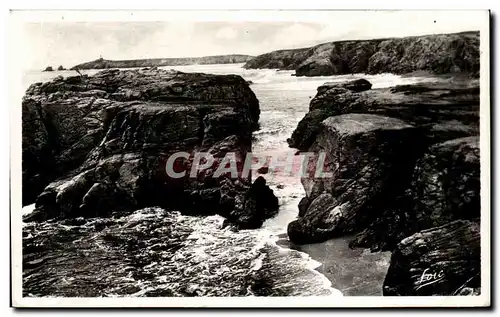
(287,272)
(259,76)
(153,252)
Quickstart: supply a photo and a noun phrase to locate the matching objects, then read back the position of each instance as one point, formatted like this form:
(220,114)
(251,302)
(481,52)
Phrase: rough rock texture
(36,151)
(258,204)
(405,161)
(446,109)
(372,140)
(367,155)
(445,186)
(104,142)
(157,62)
(281,59)
(440,54)
(446,183)
(443,260)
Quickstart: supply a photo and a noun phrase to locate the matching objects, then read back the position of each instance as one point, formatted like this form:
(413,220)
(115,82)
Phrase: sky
(67,43)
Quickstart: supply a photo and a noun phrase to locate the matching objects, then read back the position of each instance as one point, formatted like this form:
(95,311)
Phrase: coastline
(345,271)
(354,272)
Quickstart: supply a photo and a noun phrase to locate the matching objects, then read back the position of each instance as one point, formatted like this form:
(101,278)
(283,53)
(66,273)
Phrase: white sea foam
(28,209)
(214,261)
(311,265)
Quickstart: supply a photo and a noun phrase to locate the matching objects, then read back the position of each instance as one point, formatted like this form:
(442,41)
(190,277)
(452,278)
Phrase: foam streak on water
(157,253)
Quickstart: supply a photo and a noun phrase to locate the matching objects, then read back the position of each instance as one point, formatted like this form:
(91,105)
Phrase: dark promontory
(406,166)
(440,54)
(152,62)
(94,145)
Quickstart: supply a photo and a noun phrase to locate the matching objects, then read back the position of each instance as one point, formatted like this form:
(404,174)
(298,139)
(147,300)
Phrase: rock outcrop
(444,110)
(102,63)
(445,186)
(367,155)
(61,68)
(48,69)
(405,176)
(443,260)
(100,144)
(440,54)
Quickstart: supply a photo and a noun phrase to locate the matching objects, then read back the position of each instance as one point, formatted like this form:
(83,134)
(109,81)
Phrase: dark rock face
(444,110)
(338,58)
(282,59)
(405,163)
(445,186)
(36,151)
(48,69)
(258,204)
(357,85)
(443,260)
(303,205)
(367,155)
(61,68)
(440,54)
(446,183)
(104,142)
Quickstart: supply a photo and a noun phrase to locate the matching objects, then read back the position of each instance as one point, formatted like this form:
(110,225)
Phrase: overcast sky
(70,43)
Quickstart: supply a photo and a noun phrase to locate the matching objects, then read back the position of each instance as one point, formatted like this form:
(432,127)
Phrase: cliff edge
(438,54)
(94,145)
(405,167)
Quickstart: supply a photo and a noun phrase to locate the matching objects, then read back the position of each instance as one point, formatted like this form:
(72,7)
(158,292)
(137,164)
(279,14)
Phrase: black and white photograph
(250,159)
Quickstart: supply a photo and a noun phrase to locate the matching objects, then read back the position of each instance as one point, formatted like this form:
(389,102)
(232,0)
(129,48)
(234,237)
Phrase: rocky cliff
(444,260)
(94,145)
(405,168)
(441,53)
(152,62)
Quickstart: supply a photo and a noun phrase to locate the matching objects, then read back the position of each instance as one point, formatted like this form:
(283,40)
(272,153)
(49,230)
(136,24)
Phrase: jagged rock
(442,260)
(439,53)
(357,85)
(445,109)
(439,111)
(76,111)
(110,136)
(259,203)
(36,151)
(344,57)
(322,220)
(445,186)
(405,160)
(61,68)
(48,69)
(371,158)
(303,205)
(446,183)
(282,59)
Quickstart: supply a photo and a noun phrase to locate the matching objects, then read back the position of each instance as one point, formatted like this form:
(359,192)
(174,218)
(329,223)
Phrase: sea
(152,252)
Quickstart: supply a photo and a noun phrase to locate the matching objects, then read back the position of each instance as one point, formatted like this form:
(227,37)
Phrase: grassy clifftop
(439,54)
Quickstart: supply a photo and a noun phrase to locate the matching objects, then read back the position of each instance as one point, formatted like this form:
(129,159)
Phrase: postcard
(250,158)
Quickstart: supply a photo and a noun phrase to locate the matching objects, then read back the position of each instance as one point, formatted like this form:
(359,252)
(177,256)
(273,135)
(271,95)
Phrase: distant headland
(102,63)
